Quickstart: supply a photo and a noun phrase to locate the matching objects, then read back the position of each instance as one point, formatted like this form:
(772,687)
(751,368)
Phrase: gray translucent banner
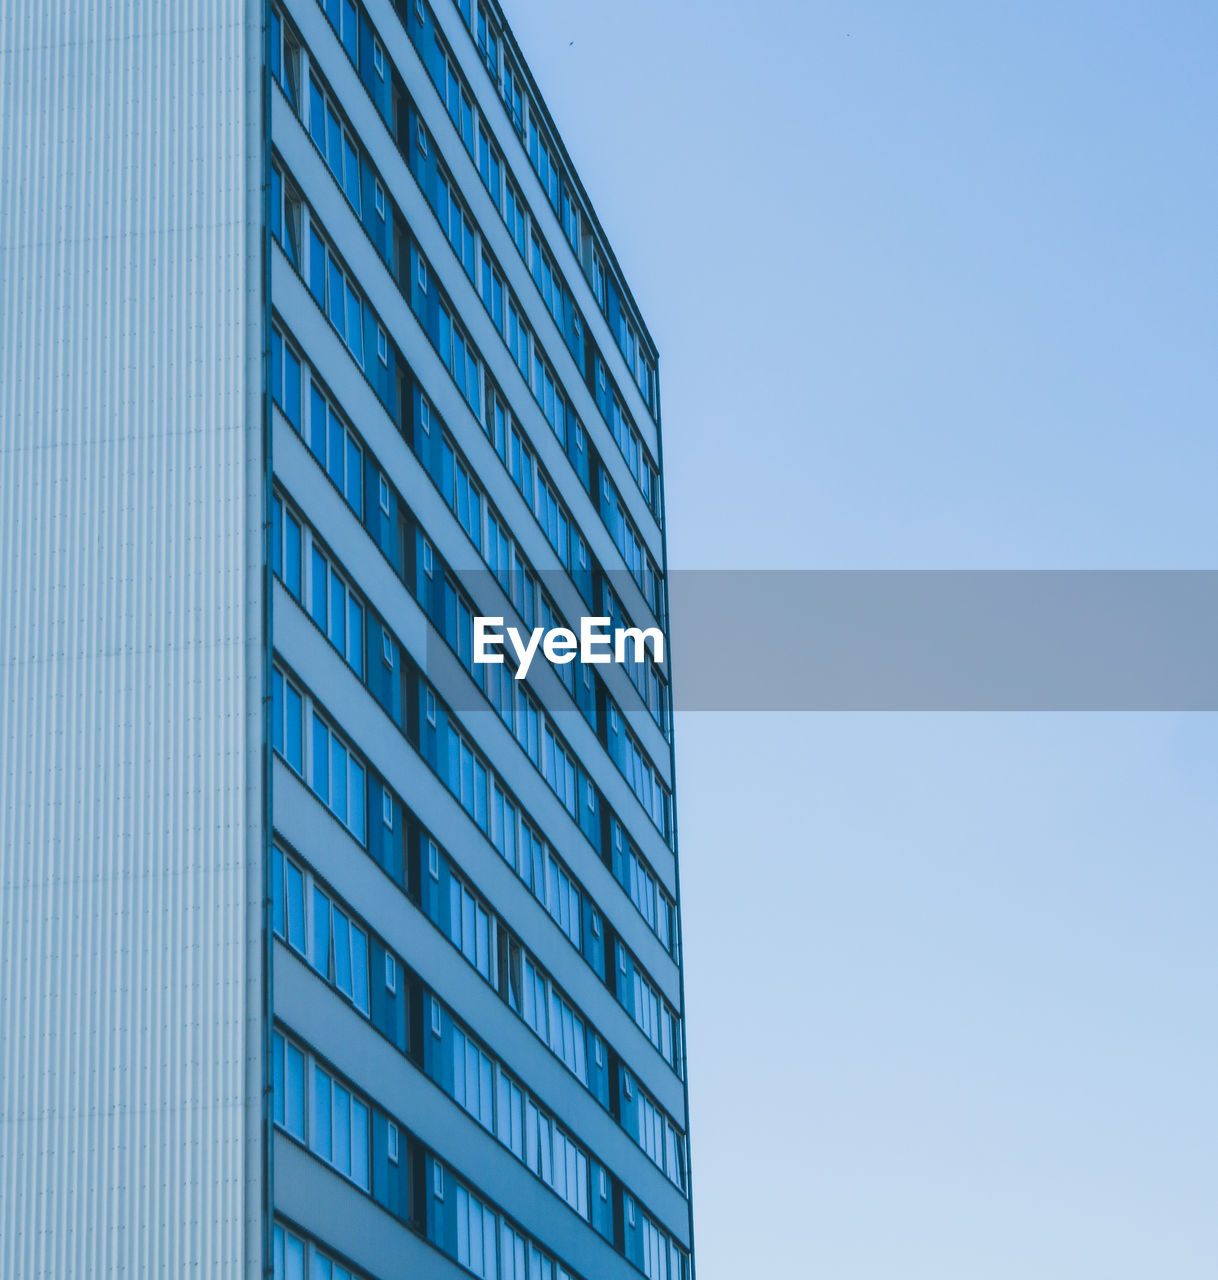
(794,640)
(944,641)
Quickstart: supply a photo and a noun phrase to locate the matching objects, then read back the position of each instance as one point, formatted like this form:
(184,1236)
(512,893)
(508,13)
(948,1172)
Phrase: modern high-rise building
(327,951)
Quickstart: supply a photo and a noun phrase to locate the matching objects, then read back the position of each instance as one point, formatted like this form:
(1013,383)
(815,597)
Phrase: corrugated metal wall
(130,638)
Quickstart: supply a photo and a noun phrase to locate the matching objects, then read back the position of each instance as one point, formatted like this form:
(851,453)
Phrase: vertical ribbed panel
(128,637)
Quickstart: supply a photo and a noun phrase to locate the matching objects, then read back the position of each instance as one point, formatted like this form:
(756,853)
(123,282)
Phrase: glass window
(512,96)
(492,291)
(321,1117)
(490,168)
(515,214)
(286,715)
(295,907)
(285,378)
(488,43)
(288,1085)
(355,325)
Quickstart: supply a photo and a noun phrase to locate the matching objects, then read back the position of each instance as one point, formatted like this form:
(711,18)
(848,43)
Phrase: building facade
(331,951)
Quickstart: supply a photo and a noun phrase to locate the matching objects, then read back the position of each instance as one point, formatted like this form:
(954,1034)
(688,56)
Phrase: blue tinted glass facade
(476,1040)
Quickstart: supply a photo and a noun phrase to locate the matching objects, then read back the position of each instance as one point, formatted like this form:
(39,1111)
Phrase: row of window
(478,1082)
(508,967)
(650,1011)
(626,538)
(335,142)
(332,940)
(523,715)
(452,614)
(338,948)
(530,991)
(336,294)
(330,601)
(337,609)
(577,228)
(526,352)
(339,452)
(318,1108)
(359,328)
(554,760)
(644,674)
(307,916)
(461,231)
(474,782)
(635,766)
(475,259)
(315,751)
(295,1256)
(634,874)
(447,605)
(506,312)
(336,945)
(528,854)
(473,928)
(543,157)
(342,952)
(651,1128)
(480,791)
(490,1246)
(485,527)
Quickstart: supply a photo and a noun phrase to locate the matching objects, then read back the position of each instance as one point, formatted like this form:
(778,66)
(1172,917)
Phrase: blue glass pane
(351,173)
(321,933)
(292,745)
(342,952)
(276,205)
(334,143)
(317,268)
(317,116)
(354,475)
(277,895)
(320,580)
(338,615)
(295,1091)
(337,296)
(291,388)
(356,810)
(320,1135)
(296,908)
(276,367)
(291,553)
(276,38)
(338,778)
(318,417)
(359,1148)
(277,1079)
(355,637)
(355,326)
(336,451)
(294,1258)
(321,759)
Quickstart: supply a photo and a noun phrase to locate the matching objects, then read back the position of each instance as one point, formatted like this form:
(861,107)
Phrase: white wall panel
(130,638)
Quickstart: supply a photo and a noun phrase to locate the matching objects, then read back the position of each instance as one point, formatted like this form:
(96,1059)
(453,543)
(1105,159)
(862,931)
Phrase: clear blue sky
(936,286)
